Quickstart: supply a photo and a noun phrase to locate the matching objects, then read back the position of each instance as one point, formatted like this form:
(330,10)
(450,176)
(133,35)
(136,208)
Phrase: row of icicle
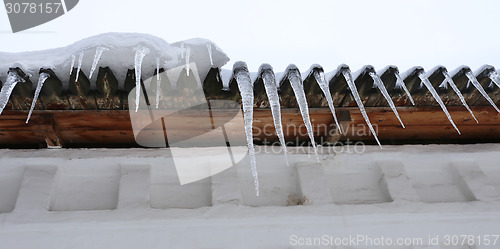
(140,52)
(245,85)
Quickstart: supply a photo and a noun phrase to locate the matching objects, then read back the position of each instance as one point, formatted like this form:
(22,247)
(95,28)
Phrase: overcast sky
(355,32)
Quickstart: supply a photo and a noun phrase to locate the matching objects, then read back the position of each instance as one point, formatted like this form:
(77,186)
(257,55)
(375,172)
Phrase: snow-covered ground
(114,198)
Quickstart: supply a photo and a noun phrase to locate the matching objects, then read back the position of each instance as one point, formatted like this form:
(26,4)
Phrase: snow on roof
(118,55)
(366,68)
(458,69)
(386,68)
(408,72)
(117,51)
(123,51)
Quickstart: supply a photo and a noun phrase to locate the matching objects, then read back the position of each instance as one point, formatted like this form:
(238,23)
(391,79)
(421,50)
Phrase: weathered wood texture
(112,128)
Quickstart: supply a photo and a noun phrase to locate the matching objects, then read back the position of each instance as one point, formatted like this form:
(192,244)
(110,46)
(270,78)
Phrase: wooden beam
(113,128)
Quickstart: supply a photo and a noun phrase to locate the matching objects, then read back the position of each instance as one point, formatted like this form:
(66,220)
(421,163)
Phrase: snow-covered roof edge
(118,52)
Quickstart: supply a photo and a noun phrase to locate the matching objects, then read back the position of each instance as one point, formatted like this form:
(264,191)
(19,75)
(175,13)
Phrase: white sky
(355,32)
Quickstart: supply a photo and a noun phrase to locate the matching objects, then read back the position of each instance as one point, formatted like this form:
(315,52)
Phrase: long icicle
(140,52)
(355,94)
(12,79)
(323,84)
(43,77)
(80,59)
(298,89)
(73,59)
(272,94)
(158,83)
(400,83)
(245,86)
(97,57)
(448,79)
(431,89)
(209,48)
(380,85)
(188,56)
(480,89)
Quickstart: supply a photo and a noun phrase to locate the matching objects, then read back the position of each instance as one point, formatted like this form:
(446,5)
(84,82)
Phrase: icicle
(380,85)
(97,57)
(80,59)
(246,90)
(43,77)
(188,54)
(217,76)
(480,89)
(355,94)
(73,59)
(11,82)
(400,83)
(158,83)
(209,47)
(495,78)
(298,89)
(272,94)
(140,52)
(323,84)
(431,89)
(450,82)
(444,84)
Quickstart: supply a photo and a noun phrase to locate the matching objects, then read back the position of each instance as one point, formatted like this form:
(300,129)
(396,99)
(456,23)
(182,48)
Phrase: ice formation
(323,84)
(188,56)
(140,52)
(158,83)
(400,83)
(380,85)
(355,94)
(245,86)
(97,57)
(449,81)
(298,89)
(73,59)
(118,57)
(495,78)
(478,86)
(43,77)
(209,48)
(272,94)
(428,85)
(12,79)
(79,67)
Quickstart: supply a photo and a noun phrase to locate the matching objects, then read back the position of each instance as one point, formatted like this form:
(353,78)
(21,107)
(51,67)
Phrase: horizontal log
(21,137)
(93,138)
(424,116)
(113,128)
(93,120)
(422,133)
